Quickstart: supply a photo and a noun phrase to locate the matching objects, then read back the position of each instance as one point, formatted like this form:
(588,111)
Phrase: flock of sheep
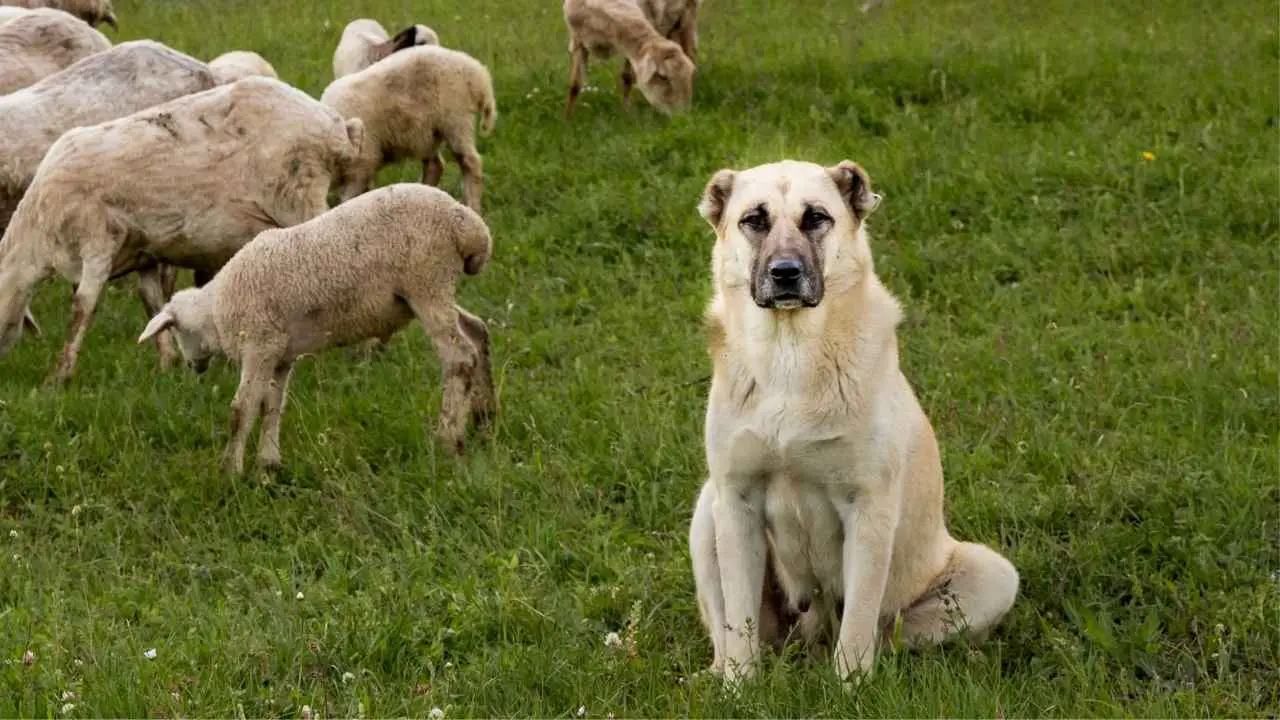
(138,159)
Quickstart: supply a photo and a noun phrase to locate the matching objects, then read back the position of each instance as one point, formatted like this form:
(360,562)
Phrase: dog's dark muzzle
(786,283)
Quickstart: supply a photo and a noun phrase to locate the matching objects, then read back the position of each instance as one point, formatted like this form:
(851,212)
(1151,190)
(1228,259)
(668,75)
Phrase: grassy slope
(1093,335)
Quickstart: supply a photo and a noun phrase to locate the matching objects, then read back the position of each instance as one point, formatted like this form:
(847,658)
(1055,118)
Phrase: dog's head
(789,230)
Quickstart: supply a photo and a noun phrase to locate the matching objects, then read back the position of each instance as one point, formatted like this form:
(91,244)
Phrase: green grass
(1094,336)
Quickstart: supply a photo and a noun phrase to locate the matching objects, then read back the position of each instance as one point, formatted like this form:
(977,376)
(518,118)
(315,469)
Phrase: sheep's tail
(488,106)
(475,245)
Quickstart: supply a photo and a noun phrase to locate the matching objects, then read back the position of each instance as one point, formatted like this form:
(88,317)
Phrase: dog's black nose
(786,270)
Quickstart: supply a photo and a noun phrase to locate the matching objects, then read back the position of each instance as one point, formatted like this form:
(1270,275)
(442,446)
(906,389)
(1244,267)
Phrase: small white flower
(348,677)
(448,665)
(150,654)
(13,534)
(78,662)
(613,640)
(28,658)
(67,708)
(279,593)
(75,511)
(305,714)
(436,713)
(299,596)
(68,695)
(582,711)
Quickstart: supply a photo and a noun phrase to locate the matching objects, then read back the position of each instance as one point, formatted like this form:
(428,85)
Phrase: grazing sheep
(122,80)
(93,12)
(238,65)
(39,43)
(185,183)
(362,270)
(675,20)
(658,65)
(410,103)
(365,42)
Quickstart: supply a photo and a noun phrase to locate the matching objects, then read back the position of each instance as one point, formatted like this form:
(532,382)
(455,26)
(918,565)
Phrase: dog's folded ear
(715,196)
(855,186)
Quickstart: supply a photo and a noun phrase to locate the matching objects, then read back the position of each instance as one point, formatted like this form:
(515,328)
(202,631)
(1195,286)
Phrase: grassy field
(1080,216)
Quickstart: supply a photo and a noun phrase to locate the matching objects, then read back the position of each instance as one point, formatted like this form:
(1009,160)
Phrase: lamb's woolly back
(239,64)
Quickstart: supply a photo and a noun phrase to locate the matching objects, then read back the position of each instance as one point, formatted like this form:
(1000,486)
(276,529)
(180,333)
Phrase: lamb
(675,20)
(410,103)
(41,42)
(129,77)
(93,12)
(362,270)
(184,183)
(660,67)
(239,64)
(365,42)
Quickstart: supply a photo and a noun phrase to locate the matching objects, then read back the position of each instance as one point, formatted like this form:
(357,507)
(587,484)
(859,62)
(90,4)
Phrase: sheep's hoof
(271,465)
(57,379)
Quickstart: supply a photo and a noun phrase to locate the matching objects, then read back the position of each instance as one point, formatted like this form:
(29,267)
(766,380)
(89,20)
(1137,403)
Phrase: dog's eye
(814,219)
(756,221)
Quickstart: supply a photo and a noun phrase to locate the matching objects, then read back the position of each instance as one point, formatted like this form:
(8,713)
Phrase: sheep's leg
(462,147)
(272,408)
(432,170)
(168,280)
(628,81)
(255,383)
(151,286)
(94,273)
(578,67)
(458,359)
(484,398)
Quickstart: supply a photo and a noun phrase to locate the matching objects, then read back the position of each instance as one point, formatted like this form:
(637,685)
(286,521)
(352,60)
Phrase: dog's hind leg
(973,594)
(706,573)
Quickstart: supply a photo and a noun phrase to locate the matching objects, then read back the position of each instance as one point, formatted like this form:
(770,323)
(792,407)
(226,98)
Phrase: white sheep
(184,183)
(411,103)
(659,66)
(93,12)
(239,64)
(129,77)
(675,20)
(365,42)
(41,42)
(362,270)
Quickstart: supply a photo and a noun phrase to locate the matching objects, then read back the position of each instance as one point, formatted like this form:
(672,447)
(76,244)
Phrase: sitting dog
(822,516)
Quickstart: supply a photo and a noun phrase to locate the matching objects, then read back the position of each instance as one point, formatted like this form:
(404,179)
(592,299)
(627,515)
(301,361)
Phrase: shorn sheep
(658,65)
(238,65)
(411,103)
(186,183)
(39,43)
(129,77)
(362,270)
(94,12)
(365,42)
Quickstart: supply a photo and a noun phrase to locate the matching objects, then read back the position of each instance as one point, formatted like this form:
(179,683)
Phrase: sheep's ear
(645,68)
(855,187)
(355,133)
(162,321)
(716,196)
(405,39)
(29,322)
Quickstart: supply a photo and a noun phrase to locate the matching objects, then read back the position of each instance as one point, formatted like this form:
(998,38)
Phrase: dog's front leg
(738,513)
(869,525)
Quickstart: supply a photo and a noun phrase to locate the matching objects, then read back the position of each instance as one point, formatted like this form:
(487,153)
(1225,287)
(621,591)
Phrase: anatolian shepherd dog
(823,510)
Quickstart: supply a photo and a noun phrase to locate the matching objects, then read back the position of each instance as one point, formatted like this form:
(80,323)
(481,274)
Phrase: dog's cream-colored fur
(822,517)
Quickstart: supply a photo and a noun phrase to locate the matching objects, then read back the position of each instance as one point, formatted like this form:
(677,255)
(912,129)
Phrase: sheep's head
(190,315)
(413,36)
(665,76)
(93,12)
